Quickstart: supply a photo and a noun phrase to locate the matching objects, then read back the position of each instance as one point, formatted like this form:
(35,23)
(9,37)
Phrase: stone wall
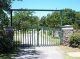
(67,31)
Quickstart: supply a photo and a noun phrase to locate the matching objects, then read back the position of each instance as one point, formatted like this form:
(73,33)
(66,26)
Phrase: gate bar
(34,10)
(11,10)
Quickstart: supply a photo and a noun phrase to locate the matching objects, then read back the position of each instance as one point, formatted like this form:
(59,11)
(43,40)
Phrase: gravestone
(67,32)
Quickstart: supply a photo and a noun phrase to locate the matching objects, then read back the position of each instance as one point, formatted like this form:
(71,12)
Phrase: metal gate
(43,36)
(34,37)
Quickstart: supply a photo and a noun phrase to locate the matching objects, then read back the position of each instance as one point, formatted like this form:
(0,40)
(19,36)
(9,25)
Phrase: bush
(7,45)
(75,40)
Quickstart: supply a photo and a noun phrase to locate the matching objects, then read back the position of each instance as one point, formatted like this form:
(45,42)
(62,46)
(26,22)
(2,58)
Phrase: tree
(77,21)
(4,6)
(43,22)
(53,20)
(7,44)
(24,20)
(68,17)
(34,21)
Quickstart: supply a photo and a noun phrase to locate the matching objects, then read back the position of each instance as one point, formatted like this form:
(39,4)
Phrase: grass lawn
(66,49)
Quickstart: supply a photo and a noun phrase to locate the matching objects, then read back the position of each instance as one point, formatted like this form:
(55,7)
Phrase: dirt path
(50,52)
(41,53)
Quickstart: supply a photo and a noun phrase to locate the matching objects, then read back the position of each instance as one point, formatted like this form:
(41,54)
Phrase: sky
(46,4)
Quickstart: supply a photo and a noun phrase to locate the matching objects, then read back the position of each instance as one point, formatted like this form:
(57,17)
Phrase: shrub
(75,40)
(7,45)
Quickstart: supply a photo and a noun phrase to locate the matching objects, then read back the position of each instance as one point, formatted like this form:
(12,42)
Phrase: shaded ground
(40,53)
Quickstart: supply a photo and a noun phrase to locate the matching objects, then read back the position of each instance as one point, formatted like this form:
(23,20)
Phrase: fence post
(61,34)
(37,37)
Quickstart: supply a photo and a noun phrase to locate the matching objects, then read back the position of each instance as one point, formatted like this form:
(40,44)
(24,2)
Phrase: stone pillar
(9,33)
(67,31)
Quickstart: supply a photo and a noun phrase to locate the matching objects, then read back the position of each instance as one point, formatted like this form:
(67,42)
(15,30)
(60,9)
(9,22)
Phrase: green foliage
(7,45)
(4,20)
(24,20)
(68,17)
(5,56)
(53,20)
(75,40)
(4,6)
(43,21)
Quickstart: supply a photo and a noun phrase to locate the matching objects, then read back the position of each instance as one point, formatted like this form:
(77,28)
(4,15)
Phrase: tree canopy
(68,17)
(4,6)
(24,20)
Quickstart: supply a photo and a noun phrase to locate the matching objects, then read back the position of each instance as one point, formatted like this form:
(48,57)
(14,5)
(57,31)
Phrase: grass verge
(66,49)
